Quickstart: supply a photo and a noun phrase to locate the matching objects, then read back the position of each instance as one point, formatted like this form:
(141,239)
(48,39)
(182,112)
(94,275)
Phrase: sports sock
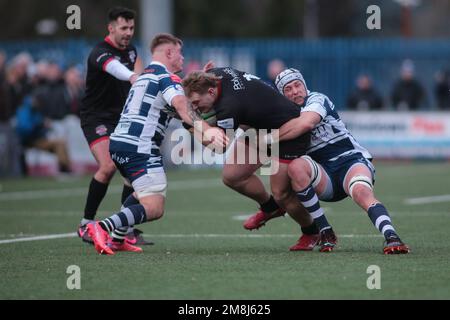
(127,217)
(270,206)
(85,221)
(310,201)
(382,221)
(118,235)
(96,193)
(131,200)
(126,192)
(312,229)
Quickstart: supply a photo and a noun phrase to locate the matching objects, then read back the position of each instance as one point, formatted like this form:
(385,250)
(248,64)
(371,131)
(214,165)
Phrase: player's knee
(298,172)
(153,212)
(281,195)
(105,173)
(362,194)
(231,180)
(360,189)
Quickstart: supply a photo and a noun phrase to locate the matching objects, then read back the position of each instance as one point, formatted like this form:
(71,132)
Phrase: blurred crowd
(34,95)
(407,94)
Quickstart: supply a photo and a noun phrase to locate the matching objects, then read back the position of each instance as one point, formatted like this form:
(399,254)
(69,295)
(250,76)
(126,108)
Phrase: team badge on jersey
(132,56)
(101,130)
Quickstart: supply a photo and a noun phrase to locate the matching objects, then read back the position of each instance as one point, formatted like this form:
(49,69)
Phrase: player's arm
(120,72)
(213,135)
(105,61)
(299,126)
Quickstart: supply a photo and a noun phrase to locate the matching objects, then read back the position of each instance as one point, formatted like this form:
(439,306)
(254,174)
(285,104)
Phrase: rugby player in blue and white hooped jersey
(336,165)
(153,100)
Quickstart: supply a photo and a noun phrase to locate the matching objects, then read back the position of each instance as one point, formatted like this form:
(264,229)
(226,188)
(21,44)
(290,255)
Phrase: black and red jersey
(105,95)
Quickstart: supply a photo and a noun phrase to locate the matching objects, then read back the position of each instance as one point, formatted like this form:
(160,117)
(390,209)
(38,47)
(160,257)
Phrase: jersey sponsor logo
(226,124)
(237,83)
(101,130)
(107,54)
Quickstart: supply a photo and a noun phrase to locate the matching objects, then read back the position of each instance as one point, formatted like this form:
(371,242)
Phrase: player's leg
(286,198)
(309,179)
(131,234)
(241,177)
(100,182)
(151,191)
(358,184)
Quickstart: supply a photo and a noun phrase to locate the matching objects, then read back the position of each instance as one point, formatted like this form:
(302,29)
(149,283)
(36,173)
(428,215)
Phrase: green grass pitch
(203,252)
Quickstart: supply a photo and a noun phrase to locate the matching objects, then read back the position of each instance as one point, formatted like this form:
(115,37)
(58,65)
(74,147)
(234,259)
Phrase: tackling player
(242,100)
(153,100)
(336,165)
(113,65)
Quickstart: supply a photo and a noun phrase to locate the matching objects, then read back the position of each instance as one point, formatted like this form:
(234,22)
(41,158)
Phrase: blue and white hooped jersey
(147,112)
(330,139)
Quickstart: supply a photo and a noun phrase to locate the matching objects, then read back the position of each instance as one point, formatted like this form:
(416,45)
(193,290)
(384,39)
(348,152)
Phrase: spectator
(6,108)
(53,93)
(17,78)
(274,68)
(74,88)
(408,93)
(32,129)
(364,97)
(442,90)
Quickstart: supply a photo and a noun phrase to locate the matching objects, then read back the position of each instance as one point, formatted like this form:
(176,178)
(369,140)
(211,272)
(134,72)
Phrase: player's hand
(217,137)
(208,66)
(133,78)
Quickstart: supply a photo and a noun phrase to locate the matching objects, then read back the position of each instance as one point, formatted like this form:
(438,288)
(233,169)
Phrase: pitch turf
(201,252)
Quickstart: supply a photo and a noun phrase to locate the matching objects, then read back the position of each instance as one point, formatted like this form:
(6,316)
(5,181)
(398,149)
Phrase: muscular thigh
(279,182)
(240,169)
(101,152)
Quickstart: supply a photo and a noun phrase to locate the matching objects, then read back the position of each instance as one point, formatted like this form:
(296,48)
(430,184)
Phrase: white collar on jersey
(159,64)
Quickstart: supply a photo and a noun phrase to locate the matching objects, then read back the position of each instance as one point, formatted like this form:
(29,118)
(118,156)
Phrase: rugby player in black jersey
(242,100)
(113,65)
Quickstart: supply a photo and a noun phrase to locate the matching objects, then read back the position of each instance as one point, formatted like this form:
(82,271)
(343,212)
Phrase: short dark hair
(121,12)
(164,38)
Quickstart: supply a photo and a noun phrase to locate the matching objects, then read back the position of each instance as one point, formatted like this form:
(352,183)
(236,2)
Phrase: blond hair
(199,82)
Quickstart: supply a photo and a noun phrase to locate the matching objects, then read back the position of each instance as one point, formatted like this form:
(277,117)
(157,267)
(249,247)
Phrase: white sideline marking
(425,200)
(242,217)
(72,192)
(37,238)
(194,235)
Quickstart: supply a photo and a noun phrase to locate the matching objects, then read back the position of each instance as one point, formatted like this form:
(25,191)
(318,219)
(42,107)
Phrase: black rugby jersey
(105,95)
(246,100)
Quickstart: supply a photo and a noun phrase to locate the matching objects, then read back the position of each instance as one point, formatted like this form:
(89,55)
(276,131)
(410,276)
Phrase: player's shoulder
(317,98)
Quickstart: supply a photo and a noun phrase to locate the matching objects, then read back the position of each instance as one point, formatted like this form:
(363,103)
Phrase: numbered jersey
(330,139)
(147,112)
(244,99)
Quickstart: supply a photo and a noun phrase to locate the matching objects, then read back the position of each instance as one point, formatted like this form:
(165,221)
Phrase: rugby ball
(209,117)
